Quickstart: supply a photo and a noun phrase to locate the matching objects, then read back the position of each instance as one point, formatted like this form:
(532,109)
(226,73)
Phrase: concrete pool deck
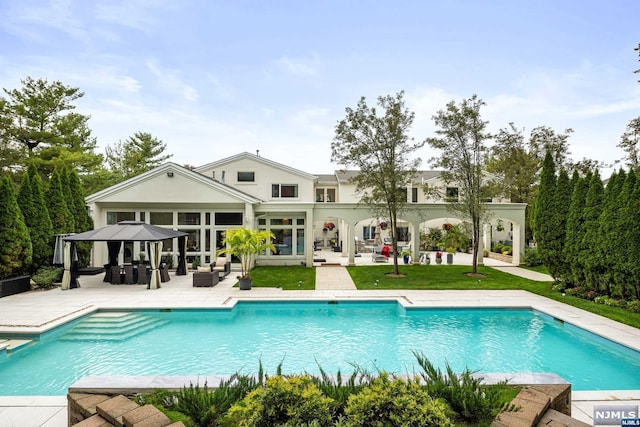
(38,311)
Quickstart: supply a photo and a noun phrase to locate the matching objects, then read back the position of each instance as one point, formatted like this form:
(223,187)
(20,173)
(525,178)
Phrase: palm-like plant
(246,243)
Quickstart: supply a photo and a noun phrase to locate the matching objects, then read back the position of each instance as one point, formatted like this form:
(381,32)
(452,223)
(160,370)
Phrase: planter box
(15,285)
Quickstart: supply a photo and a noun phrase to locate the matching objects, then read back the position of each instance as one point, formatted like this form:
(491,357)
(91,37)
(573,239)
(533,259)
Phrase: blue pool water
(372,335)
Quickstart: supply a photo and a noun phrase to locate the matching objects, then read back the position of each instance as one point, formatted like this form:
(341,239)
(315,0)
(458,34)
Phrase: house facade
(304,211)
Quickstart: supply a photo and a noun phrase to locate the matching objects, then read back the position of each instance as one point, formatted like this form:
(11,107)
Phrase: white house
(298,207)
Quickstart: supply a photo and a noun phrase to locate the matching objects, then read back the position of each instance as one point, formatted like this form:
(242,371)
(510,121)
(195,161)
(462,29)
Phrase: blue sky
(216,78)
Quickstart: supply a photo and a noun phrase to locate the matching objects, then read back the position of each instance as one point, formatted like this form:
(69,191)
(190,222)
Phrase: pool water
(305,335)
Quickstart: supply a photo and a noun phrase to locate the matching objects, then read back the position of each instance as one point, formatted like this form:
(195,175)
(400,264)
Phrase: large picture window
(188,218)
(161,218)
(228,218)
(116,217)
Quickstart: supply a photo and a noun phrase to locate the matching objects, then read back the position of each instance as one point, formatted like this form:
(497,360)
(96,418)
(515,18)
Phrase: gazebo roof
(126,231)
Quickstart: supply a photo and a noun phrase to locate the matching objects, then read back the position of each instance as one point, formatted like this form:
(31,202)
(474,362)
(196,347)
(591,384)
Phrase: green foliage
(589,257)
(15,243)
(431,238)
(283,401)
(464,392)
(139,153)
(557,264)
(461,141)
(396,402)
(576,231)
(507,250)
(39,222)
(246,243)
(195,263)
(544,221)
(532,257)
(497,248)
(46,276)
(61,219)
(379,146)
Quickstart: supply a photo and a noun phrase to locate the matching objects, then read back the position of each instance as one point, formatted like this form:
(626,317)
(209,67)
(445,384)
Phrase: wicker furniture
(205,280)
(222,266)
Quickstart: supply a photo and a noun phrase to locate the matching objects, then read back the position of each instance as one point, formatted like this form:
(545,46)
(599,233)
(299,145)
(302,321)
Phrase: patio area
(38,311)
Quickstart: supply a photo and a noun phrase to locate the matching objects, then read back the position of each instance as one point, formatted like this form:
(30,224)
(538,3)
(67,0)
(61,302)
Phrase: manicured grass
(288,278)
(539,268)
(454,277)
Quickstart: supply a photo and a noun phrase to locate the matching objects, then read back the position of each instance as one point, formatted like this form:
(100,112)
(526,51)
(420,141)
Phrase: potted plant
(246,243)
(405,253)
(450,252)
(438,257)
(383,225)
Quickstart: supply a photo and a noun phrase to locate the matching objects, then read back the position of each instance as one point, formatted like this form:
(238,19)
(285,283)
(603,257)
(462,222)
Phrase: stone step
(112,327)
(9,345)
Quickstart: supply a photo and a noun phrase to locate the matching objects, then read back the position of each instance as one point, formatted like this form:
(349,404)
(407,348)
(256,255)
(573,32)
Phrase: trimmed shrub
(507,250)
(396,402)
(532,257)
(45,277)
(15,243)
(283,401)
(497,248)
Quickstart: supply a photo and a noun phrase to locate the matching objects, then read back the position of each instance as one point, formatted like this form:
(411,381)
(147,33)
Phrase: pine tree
(576,230)
(15,244)
(41,230)
(594,265)
(61,220)
(544,220)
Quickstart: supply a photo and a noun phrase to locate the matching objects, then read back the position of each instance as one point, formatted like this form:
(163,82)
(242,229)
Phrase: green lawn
(539,268)
(433,277)
(287,278)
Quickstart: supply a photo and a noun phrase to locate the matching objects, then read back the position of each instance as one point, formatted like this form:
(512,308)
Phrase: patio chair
(128,275)
(164,273)
(376,255)
(222,266)
(205,279)
(143,277)
(115,278)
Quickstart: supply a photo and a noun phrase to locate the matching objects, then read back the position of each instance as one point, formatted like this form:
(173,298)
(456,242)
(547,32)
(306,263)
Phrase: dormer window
(451,194)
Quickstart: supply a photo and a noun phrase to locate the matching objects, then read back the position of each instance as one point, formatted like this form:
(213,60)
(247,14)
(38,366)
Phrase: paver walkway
(333,277)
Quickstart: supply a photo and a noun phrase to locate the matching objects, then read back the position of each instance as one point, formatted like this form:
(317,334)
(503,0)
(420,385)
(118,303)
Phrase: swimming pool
(301,335)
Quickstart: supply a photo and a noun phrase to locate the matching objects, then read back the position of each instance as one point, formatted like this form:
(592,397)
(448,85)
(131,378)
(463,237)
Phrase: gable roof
(264,161)
(172,168)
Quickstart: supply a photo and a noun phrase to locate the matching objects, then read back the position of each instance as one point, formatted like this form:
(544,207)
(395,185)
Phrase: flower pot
(245,284)
(449,259)
(405,259)
(438,260)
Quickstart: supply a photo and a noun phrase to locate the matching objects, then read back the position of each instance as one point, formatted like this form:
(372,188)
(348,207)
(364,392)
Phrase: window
(228,218)
(161,218)
(188,218)
(319,194)
(451,194)
(326,195)
(368,232)
(284,190)
(403,234)
(246,176)
(402,192)
(116,217)
(414,195)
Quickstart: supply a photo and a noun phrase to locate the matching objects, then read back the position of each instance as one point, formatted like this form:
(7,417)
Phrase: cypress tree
(68,197)
(607,231)
(61,220)
(633,245)
(625,221)
(576,230)
(563,192)
(41,230)
(83,221)
(594,265)
(15,244)
(544,232)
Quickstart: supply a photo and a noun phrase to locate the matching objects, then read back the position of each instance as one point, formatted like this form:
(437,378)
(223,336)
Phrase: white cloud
(26,19)
(299,67)
(171,82)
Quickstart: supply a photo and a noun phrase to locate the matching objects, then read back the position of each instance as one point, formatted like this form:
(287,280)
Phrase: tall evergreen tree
(68,197)
(625,221)
(15,244)
(576,230)
(29,211)
(633,246)
(83,221)
(594,265)
(557,263)
(61,219)
(603,245)
(544,216)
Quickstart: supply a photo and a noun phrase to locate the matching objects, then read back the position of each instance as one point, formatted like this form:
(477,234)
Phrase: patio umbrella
(182,262)
(377,240)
